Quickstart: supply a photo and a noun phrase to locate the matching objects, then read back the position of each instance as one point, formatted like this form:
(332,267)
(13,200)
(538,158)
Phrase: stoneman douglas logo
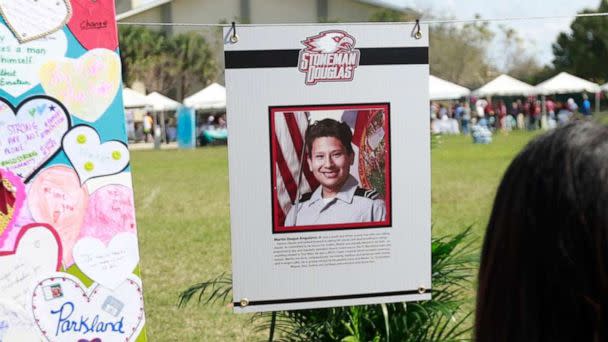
(329,56)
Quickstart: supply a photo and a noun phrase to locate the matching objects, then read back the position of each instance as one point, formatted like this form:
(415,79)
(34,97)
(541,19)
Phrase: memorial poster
(329,162)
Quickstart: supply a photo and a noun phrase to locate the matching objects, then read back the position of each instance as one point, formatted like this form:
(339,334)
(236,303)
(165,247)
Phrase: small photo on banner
(320,151)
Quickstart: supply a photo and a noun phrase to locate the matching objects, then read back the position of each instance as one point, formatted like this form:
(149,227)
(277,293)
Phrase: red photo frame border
(276,229)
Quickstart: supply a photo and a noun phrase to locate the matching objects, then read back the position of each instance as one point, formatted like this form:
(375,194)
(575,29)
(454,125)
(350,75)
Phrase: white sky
(538,34)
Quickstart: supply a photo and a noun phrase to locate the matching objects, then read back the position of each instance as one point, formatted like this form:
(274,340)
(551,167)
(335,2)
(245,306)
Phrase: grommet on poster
(421,289)
(244,302)
(234,38)
(417,34)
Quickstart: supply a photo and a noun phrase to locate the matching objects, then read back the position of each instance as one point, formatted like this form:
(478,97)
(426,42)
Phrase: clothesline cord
(422,21)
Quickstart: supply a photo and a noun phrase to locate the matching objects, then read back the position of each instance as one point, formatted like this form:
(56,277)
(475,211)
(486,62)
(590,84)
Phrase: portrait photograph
(330,167)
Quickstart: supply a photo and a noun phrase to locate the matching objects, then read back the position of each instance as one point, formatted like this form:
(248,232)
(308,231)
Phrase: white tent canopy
(212,97)
(505,85)
(604,87)
(133,99)
(161,102)
(564,82)
(440,89)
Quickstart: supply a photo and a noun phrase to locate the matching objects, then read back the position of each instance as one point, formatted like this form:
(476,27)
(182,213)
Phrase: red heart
(93,23)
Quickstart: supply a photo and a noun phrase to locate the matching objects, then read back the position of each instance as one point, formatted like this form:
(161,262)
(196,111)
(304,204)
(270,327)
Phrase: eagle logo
(334,41)
(329,56)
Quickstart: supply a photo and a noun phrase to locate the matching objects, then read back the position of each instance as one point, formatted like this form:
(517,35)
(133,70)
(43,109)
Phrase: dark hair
(329,128)
(544,264)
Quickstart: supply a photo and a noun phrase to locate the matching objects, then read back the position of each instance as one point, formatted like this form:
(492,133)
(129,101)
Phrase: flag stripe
(290,183)
(290,155)
(283,200)
(362,120)
(282,195)
(298,143)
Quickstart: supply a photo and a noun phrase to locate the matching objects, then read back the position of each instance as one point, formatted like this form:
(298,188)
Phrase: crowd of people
(522,114)
(213,130)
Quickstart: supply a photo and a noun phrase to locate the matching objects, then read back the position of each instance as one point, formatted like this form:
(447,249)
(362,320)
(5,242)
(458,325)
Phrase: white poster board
(362,233)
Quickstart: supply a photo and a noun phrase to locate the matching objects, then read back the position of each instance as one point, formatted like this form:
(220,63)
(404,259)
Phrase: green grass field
(184,230)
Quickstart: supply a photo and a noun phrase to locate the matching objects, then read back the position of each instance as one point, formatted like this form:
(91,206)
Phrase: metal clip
(234,38)
(417,34)
(244,302)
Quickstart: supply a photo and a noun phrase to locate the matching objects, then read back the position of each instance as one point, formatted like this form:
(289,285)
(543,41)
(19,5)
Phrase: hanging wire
(430,21)
(417,34)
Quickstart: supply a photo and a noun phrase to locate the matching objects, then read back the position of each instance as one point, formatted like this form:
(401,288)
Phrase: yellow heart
(86,85)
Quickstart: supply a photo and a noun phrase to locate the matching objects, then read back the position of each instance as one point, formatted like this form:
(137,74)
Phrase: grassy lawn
(184,230)
(465,177)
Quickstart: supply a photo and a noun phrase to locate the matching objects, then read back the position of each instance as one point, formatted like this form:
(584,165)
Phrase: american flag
(291,166)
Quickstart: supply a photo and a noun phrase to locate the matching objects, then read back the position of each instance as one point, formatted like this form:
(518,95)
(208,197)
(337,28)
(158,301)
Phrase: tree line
(174,65)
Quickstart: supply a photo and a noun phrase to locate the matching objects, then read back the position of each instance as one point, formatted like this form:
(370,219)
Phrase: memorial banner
(329,160)
(68,238)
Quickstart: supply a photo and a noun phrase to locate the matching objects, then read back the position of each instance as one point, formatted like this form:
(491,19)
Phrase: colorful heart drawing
(10,235)
(111,210)
(86,85)
(36,253)
(20,71)
(27,141)
(16,324)
(107,265)
(33,19)
(123,178)
(65,310)
(93,24)
(56,197)
(12,195)
(90,157)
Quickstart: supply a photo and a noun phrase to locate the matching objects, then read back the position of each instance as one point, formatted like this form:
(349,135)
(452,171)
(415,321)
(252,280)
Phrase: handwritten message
(19,63)
(65,310)
(16,324)
(32,19)
(90,157)
(86,85)
(30,134)
(110,211)
(56,197)
(93,25)
(36,254)
(108,265)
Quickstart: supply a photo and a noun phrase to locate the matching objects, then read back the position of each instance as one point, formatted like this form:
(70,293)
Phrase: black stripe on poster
(320,299)
(247,59)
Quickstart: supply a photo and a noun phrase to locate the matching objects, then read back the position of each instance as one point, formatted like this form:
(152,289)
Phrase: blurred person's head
(330,153)
(544,264)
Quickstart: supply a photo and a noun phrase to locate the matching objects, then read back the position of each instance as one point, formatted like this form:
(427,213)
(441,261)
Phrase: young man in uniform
(338,199)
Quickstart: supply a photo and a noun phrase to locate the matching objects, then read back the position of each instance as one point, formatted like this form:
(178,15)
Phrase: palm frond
(211,291)
(444,318)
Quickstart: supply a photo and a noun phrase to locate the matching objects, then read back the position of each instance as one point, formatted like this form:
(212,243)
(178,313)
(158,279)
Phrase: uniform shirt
(351,205)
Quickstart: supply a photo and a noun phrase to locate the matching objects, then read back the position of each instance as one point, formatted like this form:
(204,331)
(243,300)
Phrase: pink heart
(24,230)
(93,24)
(56,197)
(110,211)
(35,253)
(19,188)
